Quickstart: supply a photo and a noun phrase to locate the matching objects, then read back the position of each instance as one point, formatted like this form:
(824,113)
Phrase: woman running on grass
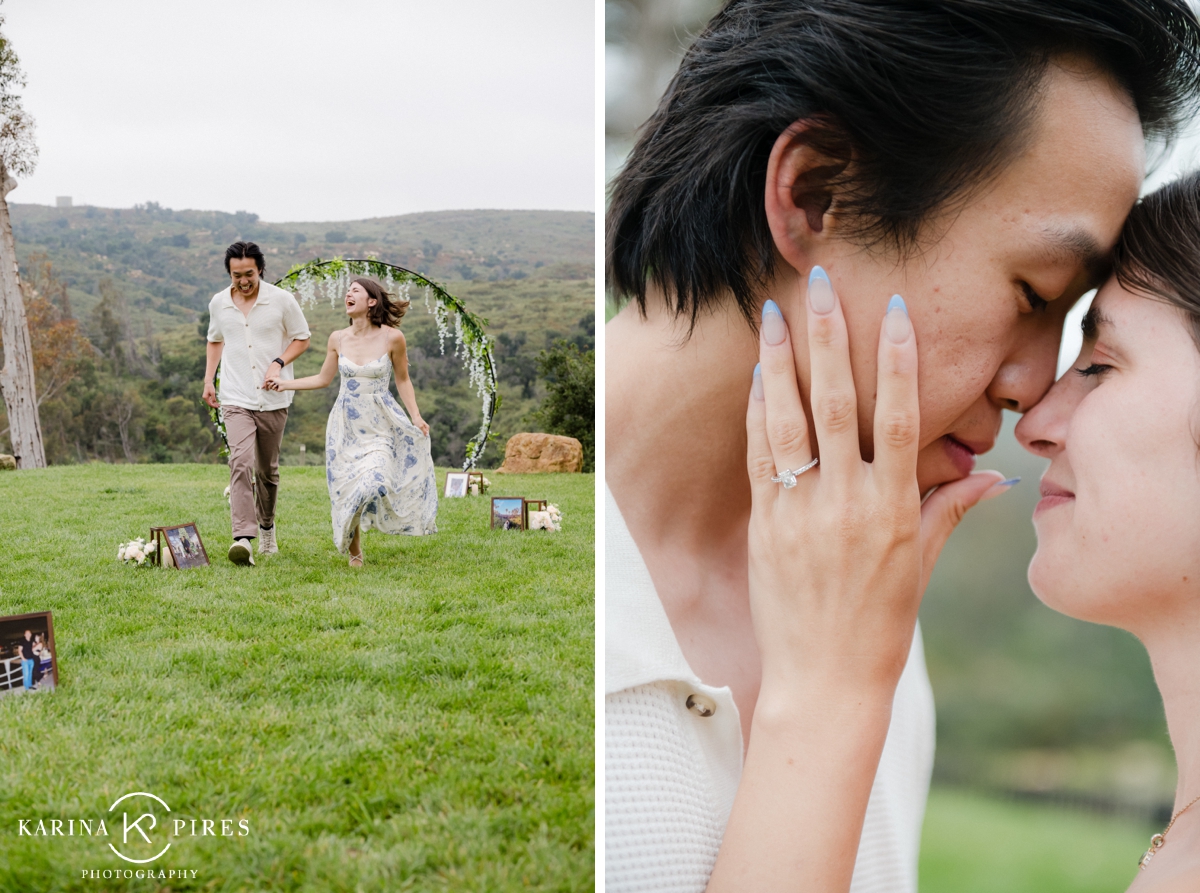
(378,463)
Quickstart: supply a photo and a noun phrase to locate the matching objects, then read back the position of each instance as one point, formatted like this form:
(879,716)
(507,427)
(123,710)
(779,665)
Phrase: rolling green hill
(138,282)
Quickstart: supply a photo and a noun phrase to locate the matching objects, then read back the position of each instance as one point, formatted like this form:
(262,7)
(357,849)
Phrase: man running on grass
(255,331)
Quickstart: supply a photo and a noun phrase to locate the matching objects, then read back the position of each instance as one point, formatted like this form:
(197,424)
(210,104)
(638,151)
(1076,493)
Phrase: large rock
(8,463)
(538,453)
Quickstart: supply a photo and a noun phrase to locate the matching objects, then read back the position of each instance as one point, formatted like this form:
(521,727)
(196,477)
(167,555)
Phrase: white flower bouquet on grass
(550,518)
(136,551)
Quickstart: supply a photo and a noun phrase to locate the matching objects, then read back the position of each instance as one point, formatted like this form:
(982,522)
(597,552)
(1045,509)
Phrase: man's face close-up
(244,273)
(990,285)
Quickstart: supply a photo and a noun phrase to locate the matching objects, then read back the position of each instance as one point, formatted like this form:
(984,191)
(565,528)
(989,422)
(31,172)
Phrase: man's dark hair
(931,98)
(244,250)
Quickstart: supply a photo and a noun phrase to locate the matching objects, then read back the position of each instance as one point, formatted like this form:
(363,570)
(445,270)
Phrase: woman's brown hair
(386,311)
(1159,250)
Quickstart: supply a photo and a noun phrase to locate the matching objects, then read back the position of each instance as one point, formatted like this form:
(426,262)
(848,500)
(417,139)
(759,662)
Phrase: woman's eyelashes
(1095,365)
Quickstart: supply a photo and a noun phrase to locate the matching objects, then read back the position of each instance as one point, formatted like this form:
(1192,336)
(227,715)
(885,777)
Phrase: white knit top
(670,772)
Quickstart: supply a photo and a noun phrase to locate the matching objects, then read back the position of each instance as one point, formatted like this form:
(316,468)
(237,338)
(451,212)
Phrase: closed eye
(1093,369)
(1036,301)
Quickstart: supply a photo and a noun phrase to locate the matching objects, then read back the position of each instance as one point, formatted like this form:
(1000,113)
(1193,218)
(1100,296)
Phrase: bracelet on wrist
(279,361)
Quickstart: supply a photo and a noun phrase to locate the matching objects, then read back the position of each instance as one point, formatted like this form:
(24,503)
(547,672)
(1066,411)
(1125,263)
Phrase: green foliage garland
(217,419)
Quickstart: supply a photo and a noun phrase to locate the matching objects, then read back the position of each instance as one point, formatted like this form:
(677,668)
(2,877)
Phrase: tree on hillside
(58,345)
(570,404)
(114,333)
(18,154)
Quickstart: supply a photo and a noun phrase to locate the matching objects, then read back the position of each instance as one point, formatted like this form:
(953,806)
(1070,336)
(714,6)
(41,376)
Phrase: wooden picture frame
(508,513)
(475,477)
(536,505)
(456,484)
(185,548)
(43,674)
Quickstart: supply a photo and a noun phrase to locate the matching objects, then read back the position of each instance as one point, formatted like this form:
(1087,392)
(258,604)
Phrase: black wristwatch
(279,361)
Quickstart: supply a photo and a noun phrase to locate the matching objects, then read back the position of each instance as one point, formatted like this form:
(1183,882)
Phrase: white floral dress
(378,464)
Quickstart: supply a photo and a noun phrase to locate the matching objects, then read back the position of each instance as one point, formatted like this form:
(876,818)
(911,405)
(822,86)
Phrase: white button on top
(701,705)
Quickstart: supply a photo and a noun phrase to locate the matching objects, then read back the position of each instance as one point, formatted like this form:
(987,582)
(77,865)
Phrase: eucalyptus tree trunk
(16,377)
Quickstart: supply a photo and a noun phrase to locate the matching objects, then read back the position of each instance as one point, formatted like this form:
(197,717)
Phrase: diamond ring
(788,478)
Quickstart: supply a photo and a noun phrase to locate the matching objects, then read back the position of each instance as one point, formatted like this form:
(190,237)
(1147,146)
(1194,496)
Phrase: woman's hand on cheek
(838,562)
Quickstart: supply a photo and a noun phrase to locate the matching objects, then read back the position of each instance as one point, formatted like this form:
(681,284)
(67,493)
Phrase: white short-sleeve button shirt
(673,751)
(252,341)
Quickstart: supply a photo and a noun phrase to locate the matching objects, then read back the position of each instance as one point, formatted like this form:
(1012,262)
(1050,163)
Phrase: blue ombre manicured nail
(896,322)
(774,330)
(756,388)
(999,488)
(820,292)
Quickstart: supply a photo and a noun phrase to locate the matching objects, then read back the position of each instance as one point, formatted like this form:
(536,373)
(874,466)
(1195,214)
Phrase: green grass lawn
(976,844)
(424,723)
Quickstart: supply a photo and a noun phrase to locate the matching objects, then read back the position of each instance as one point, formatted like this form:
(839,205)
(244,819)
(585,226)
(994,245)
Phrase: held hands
(838,561)
(272,381)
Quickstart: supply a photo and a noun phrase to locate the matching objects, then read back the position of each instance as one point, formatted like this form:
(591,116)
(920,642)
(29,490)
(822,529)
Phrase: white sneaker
(266,541)
(239,552)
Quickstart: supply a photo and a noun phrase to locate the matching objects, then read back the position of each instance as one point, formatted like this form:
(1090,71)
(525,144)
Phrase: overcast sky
(304,110)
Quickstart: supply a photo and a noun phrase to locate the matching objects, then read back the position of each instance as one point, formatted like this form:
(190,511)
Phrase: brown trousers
(254,440)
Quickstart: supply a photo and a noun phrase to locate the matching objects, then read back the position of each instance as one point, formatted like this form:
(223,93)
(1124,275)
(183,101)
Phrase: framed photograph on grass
(456,483)
(184,548)
(27,653)
(508,513)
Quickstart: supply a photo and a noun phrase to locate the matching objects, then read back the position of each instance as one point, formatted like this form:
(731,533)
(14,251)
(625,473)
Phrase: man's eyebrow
(1081,246)
(1091,323)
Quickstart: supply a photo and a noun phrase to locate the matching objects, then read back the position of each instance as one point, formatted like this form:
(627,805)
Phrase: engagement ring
(788,478)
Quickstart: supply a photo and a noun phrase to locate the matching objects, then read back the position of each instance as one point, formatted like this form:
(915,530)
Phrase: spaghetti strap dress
(378,463)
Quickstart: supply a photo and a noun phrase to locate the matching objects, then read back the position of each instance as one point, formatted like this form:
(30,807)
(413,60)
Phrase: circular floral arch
(331,278)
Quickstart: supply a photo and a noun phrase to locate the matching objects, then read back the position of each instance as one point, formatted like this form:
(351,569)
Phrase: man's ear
(803,177)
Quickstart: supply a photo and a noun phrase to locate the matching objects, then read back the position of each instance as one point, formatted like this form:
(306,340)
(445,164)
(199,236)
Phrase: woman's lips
(1052,495)
(960,454)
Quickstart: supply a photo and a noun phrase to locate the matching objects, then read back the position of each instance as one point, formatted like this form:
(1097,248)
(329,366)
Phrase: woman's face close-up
(1118,524)
(357,299)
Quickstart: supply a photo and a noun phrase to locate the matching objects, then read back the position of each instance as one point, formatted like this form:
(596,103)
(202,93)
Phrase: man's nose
(1027,372)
